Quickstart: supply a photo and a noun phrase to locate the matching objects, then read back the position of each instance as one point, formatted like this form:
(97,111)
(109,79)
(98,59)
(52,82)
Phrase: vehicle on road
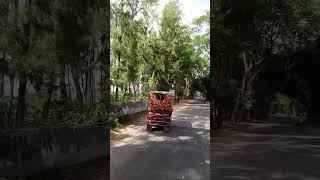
(160,110)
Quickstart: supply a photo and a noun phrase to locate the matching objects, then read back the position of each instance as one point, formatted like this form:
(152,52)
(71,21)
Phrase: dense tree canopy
(55,57)
(255,47)
(56,51)
(163,56)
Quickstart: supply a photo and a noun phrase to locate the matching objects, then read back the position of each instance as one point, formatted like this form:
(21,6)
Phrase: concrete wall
(128,108)
(26,151)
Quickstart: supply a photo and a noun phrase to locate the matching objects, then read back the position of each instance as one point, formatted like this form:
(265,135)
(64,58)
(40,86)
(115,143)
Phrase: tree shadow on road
(266,151)
(163,156)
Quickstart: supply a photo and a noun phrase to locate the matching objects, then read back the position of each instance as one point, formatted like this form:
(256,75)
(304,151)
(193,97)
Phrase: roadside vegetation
(54,62)
(56,59)
(151,51)
(264,61)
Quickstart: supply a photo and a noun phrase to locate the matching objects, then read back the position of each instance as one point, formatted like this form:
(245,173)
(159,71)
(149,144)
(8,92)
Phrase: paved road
(266,151)
(182,153)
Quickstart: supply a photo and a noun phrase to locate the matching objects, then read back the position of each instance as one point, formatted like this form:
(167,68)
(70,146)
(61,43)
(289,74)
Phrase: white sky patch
(190,8)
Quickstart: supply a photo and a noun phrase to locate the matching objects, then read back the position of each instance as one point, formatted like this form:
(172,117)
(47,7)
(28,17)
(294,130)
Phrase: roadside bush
(77,114)
(114,123)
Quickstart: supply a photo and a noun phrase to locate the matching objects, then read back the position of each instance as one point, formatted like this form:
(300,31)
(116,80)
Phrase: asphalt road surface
(266,151)
(182,153)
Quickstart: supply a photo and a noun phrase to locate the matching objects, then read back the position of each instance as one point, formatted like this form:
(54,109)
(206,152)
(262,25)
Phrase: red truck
(160,110)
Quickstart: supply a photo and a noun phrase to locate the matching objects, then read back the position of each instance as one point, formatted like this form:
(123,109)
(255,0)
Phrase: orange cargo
(160,109)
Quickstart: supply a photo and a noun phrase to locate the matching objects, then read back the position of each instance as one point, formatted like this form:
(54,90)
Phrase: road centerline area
(182,153)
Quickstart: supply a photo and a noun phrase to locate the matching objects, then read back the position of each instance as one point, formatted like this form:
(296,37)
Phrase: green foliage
(268,33)
(6,100)
(141,55)
(114,123)
(157,59)
(286,105)
(122,97)
(41,42)
(34,109)
(62,114)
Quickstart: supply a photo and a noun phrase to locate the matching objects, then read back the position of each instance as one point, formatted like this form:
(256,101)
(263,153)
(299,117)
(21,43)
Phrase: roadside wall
(25,151)
(119,109)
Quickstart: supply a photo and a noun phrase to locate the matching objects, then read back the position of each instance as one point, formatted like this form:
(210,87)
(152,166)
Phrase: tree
(253,32)
(43,40)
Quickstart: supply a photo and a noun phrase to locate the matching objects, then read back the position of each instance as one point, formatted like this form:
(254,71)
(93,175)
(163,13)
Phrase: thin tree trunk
(46,107)
(82,87)
(63,91)
(1,84)
(86,86)
(238,100)
(117,93)
(21,102)
(11,101)
(118,76)
(69,86)
(90,87)
(134,90)
(125,91)
(76,79)
(92,76)
(242,90)
(93,88)
(129,89)
(12,14)
(101,81)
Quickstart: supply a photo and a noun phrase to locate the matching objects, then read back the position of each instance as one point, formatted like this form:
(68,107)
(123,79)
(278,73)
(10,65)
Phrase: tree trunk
(134,90)
(90,87)
(187,89)
(93,88)
(211,97)
(125,91)
(1,84)
(11,101)
(86,87)
(105,61)
(46,106)
(91,76)
(238,100)
(21,102)
(63,91)
(86,90)
(69,86)
(82,86)
(76,79)
(12,14)
(242,90)
(101,81)
(129,89)
(117,93)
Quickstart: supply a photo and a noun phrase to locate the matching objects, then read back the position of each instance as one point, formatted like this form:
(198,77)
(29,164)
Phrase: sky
(191,8)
